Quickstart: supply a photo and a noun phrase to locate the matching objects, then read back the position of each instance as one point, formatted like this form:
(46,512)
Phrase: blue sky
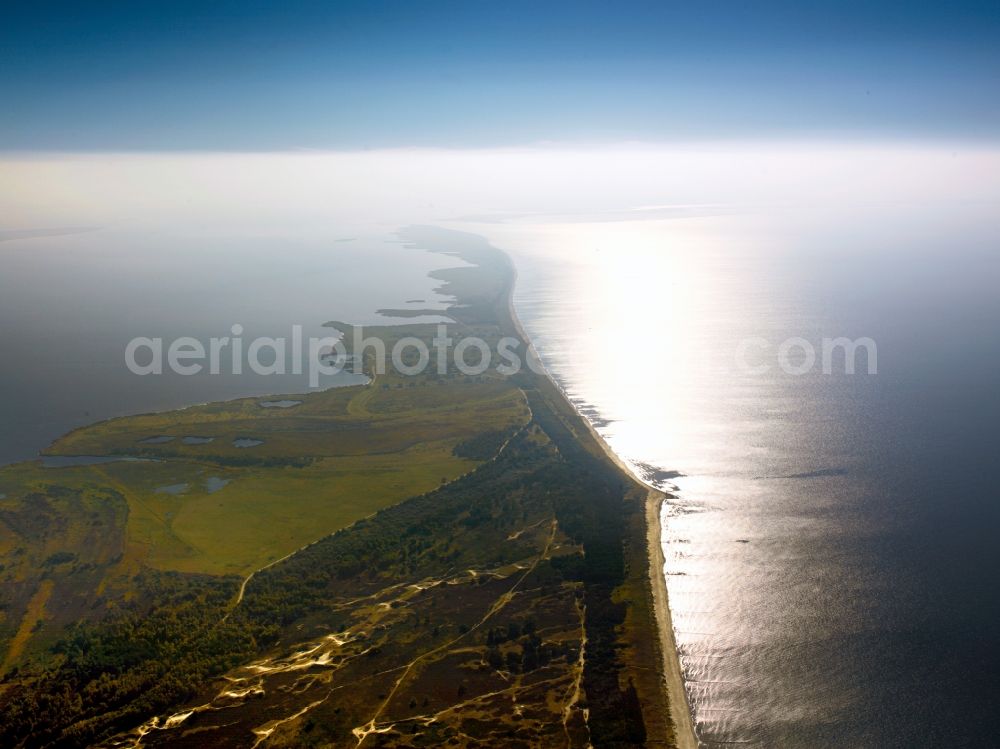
(287,75)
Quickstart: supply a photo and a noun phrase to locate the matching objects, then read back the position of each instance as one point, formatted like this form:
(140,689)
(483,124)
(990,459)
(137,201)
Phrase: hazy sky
(285,75)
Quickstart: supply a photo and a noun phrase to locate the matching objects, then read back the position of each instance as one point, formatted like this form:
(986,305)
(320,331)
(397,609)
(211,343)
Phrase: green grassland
(339,456)
(439,560)
(425,624)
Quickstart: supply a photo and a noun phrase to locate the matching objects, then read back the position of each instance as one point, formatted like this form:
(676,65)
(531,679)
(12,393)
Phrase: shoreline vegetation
(418,561)
(684,733)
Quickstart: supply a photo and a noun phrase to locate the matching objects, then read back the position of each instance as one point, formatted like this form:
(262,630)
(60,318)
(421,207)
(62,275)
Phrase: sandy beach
(680,712)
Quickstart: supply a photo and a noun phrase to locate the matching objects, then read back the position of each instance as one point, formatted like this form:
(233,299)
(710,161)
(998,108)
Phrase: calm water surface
(832,552)
(71,303)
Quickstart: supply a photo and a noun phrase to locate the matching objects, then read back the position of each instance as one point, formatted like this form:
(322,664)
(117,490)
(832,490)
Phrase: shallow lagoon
(832,549)
(244,442)
(75,300)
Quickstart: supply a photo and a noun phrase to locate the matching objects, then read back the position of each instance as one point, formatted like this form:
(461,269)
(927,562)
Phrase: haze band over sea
(327,356)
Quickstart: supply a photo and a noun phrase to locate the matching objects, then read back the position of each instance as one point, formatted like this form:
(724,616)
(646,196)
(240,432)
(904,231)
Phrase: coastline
(645,666)
(680,710)
(685,735)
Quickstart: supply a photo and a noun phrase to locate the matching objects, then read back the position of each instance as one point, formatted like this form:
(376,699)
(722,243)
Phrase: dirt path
(372,726)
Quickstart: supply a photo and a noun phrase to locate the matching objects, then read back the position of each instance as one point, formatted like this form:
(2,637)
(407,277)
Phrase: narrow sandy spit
(680,711)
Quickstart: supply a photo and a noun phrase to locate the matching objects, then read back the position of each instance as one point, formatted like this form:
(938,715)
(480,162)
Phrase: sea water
(832,545)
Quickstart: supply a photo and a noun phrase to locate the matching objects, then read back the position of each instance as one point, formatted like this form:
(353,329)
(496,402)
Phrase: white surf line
(685,731)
